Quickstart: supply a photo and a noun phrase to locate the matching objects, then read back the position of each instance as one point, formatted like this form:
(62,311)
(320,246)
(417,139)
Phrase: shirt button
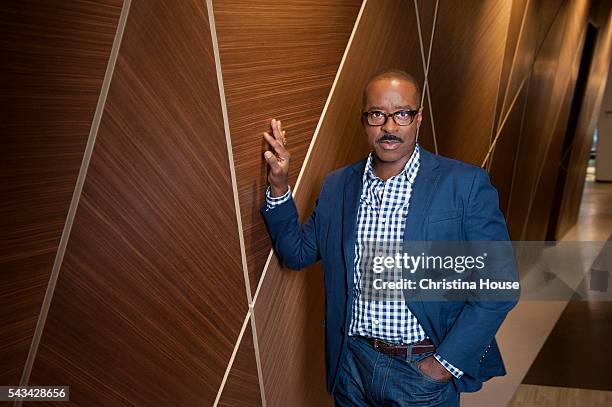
(383,220)
(376,321)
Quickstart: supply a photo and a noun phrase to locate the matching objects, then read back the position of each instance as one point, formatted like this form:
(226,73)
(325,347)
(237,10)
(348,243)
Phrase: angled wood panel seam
(536,184)
(518,91)
(75,197)
(426,66)
(500,127)
(518,42)
(501,122)
(228,139)
(257,355)
(234,352)
(316,132)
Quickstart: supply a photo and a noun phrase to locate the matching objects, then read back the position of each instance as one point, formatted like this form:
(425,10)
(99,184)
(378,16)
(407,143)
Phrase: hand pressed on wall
(278,161)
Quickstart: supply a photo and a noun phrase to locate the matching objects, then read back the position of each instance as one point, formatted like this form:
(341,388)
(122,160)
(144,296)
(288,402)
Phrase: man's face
(392,142)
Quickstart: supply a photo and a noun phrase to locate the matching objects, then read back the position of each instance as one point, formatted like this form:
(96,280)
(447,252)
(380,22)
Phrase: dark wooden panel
(588,116)
(550,96)
(54,56)
(279,59)
(151,297)
(548,13)
(291,305)
(517,16)
(242,386)
(465,67)
(427,11)
(504,160)
(543,104)
(523,57)
(568,67)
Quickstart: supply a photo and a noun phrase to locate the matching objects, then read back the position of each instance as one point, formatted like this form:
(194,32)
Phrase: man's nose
(389,126)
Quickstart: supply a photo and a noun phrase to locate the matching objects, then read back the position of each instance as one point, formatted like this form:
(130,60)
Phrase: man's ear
(419,116)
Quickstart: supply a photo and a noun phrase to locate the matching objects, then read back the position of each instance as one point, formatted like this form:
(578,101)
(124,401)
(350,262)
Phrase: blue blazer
(451,200)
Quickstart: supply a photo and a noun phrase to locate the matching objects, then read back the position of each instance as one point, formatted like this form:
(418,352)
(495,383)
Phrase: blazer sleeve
(295,244)
(475,327)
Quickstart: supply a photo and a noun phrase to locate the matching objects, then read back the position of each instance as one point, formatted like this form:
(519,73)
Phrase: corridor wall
(136,267)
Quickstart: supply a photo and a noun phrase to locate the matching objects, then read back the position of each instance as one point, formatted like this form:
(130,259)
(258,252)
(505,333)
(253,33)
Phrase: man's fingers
(276,145)
(271,159)
(276,130)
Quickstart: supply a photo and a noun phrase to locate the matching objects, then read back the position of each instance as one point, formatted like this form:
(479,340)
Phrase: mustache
(389,137)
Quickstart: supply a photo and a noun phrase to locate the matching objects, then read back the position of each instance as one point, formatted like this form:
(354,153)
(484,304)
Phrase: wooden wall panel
(551,90)
(278,59)
(427,12)
(503,164)
(151,295)
(54,55)
(520,50)
(290,305)
(242,386)
(536,222)
(465,67)
(600,13)
(517,15)
(532,34)
(537,128)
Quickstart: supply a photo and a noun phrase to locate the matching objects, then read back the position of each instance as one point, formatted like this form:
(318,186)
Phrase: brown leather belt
(400,350)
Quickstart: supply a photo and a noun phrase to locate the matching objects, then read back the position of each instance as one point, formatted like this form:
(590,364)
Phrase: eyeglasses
(401,117)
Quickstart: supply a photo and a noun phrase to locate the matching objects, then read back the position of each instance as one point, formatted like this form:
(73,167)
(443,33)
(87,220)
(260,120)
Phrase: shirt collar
(412,163)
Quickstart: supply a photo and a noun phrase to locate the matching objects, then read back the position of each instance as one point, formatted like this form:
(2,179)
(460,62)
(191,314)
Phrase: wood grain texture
(54,56)
(465,67)
(504,162)
(279,59)
(290,306)
(529,41)
(598,75)
(550,94)
(517,14)
(536,225)
(151,296)
(242,386)
(529,395)
(426,10)
(537,128)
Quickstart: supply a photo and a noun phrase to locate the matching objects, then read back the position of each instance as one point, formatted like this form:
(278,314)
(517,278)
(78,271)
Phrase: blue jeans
(370,378)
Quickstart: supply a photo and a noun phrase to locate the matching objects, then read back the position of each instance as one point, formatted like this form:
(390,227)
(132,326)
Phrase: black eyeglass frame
(387,115)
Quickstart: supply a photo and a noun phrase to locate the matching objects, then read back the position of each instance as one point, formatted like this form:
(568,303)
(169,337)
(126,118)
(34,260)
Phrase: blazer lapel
(425,184)
(352,192)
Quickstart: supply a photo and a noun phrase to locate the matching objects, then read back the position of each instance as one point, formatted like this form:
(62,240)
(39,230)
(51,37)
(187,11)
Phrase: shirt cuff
(452,369)
(272,201)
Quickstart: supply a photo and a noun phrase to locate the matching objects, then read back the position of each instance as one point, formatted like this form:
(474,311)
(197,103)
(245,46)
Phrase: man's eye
(376,114)
(403,114)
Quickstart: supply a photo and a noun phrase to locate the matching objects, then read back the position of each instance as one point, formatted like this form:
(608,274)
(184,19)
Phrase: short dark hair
(389,74)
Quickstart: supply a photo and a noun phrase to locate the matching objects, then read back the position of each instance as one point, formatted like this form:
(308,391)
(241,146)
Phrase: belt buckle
(379,344)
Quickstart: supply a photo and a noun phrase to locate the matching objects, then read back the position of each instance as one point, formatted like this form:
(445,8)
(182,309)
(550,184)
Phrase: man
(392,352)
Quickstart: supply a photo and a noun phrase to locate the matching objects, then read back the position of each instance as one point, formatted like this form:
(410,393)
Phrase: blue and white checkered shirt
(381,217)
